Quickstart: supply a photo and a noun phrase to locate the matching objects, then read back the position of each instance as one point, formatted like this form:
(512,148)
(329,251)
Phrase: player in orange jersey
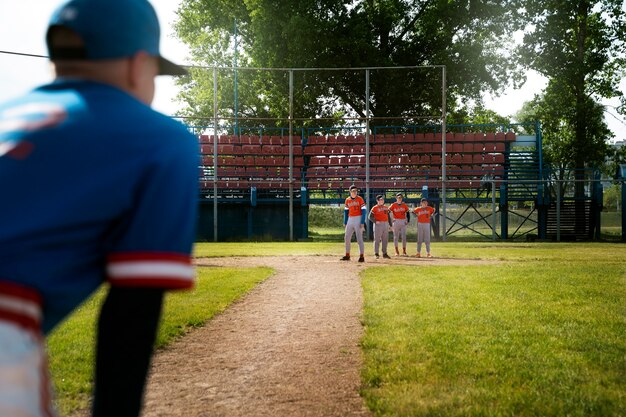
(354,222)
(424,212)
(400,214)
(379,215)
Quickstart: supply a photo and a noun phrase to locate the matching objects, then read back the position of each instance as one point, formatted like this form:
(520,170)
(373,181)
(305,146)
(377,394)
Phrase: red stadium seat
(323,160)
(313,150)
(479,137)
(509,137)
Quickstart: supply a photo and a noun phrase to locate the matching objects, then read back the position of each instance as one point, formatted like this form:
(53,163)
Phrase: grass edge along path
(514,339)
(71,345)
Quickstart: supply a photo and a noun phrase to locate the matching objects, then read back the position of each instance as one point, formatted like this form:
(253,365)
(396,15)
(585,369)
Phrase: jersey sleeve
(363,210)
(153,243)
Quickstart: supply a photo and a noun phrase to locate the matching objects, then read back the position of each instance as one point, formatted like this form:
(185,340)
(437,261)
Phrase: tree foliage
(579,46)
(469,37)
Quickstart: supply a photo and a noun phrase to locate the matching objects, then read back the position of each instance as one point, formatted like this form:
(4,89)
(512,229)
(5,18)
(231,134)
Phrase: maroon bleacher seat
(319,160)
(251,149)
(313,150)
(509,136)
(317,140)
(456,137)
(500,137)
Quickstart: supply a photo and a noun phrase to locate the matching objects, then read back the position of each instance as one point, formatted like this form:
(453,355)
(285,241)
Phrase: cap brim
(169,68)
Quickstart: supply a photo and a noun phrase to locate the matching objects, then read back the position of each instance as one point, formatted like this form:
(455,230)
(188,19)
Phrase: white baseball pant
(399,232)
(381,234)
(24,384)
(423,236)
(354,226)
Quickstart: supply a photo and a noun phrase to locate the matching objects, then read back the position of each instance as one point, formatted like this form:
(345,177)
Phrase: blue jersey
(96,186)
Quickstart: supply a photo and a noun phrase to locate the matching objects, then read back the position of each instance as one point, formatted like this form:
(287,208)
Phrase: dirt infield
(289,348)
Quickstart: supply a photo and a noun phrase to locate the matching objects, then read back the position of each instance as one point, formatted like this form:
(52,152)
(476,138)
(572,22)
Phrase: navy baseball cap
(111,29)
(379,197)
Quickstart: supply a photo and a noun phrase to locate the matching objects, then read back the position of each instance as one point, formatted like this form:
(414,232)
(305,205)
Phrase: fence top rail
(313,69)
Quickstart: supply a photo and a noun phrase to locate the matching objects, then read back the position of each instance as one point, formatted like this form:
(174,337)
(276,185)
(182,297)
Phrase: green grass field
(541,333)
(71,347)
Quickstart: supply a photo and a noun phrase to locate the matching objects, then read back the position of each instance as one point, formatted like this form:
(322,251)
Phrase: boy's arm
(127,329)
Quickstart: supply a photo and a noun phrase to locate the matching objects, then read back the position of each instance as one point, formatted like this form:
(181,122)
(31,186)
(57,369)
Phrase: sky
(23,25)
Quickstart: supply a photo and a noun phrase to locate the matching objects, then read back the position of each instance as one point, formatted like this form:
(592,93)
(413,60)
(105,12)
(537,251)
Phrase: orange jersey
(381,213)
(354,206)
(424,213)
(399,210)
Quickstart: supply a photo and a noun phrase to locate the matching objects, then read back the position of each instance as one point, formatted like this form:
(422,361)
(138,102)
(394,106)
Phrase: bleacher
(329,164)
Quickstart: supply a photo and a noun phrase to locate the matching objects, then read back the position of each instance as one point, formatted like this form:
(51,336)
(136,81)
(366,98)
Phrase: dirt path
(289,348)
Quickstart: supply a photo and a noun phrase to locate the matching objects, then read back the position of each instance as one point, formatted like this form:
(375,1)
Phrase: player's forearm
(126,333)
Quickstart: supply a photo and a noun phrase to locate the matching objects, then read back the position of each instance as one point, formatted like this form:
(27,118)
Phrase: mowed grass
(541,334)
(71,345)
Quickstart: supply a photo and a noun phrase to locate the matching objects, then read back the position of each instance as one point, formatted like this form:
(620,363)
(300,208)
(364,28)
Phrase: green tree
(579,46)
(469,37)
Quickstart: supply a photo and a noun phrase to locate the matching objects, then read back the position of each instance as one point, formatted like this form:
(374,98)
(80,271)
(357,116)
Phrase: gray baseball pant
(423,236)
(399,230)
(381,233)
(354,226)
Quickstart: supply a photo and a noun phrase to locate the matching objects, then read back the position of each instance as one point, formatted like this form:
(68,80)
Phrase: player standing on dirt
(102,189)
(400,217)
(379,216)
(423,212)
(354,222)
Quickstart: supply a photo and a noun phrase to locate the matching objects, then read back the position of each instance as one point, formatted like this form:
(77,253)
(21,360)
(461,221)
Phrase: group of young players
(395,216)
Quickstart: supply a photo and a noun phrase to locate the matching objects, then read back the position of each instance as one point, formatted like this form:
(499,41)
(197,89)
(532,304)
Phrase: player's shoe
(345,258)
(361,258)
(404,253)
(376,255)
(428,255)
(397,253)
(418,255)
(385,256)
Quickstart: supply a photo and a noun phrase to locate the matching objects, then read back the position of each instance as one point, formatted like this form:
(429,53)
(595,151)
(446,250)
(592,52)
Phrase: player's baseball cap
(423,199)
(379,197)
(399,195)
(353,187)
(110,29)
